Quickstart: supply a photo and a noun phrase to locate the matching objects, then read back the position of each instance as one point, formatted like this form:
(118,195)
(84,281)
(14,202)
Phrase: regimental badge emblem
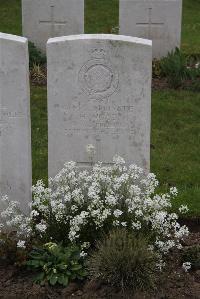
(97,77)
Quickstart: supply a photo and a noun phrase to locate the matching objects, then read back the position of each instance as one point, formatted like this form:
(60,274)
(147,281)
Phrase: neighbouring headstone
(158,20)
(43,19)
(99,93)
(15,132)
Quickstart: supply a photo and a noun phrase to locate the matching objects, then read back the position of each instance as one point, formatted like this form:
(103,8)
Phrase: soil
(17,283)
(159,84)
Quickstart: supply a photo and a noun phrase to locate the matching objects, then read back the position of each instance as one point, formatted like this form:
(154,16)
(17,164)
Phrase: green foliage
(192,255)
(174,67)
(123,260)
(35,55)
(56,264)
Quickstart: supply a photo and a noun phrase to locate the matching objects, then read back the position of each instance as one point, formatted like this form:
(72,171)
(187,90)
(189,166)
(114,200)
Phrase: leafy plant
(156,68)
(38,74)
(123,259)
(174,67)
(57,264)
(79,206)
(35,55)
(192,255)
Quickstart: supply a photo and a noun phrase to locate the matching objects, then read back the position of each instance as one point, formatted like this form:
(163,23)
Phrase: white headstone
(15,133)
(99,93)
(43,19)
(158,20)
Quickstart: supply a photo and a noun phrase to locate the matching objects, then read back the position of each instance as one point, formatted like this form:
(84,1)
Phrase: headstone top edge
(112,37)
(11,37)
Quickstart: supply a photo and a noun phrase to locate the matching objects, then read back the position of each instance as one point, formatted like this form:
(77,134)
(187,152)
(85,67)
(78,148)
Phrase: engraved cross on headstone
(52,22)
(150,23)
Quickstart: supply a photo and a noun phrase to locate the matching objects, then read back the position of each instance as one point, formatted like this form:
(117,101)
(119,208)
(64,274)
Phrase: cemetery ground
(175,157)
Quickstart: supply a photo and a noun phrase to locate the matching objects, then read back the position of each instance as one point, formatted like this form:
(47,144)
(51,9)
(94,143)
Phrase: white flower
(160,265)
(21,244)
(67,197)
(116,223)
(34,213)
(41,227)
(117,213)
(186,266)
(114,196)
(138,213)
(72,235)
(83,254)
(118,160)
(111,200)
(90,149)
(4,198)
(174,191)
(74,208)
(136,225)
(85,245)
(183,209)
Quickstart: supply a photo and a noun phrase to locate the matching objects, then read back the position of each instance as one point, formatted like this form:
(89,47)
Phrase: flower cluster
(78,205)
(12,219)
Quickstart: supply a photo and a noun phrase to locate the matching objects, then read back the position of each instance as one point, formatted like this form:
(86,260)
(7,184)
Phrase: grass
(39,133)
(191,26)
(101,15)
(175,144)
(10,16)
(175,114)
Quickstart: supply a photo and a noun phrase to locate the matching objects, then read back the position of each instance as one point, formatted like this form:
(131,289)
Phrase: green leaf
(76,267)
(65,281)
(60,279)
(82,273)
(33,263)
(62,266)
(40,277)
(53,280)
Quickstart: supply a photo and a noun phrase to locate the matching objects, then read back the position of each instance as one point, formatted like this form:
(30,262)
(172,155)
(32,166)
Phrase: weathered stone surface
(158,20)
(43,19)
(15,133)
(99,93)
